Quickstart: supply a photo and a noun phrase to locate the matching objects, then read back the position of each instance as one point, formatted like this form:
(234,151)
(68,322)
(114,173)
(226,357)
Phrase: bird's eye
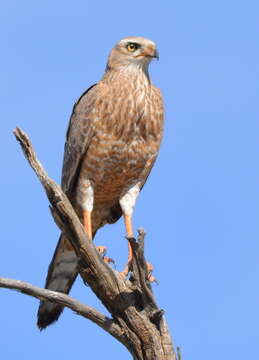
(132,47)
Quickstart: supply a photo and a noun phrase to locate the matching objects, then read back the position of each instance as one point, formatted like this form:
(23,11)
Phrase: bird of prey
(111,145)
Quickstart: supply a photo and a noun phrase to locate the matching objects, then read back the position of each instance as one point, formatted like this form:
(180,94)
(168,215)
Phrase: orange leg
(88,223)
(128,224)
(88,229)
(150,268)
(129,230)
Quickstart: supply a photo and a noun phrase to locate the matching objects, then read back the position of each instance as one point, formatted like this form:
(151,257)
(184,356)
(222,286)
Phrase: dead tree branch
(88,312)
(137,322)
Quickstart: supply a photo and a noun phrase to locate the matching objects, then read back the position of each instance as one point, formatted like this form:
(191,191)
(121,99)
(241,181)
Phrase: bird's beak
(150,52)
(156,55)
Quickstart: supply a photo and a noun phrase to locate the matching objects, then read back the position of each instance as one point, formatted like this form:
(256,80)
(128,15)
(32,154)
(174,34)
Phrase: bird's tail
(62,273)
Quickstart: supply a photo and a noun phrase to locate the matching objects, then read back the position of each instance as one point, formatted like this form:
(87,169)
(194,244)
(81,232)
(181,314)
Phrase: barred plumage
(112,142)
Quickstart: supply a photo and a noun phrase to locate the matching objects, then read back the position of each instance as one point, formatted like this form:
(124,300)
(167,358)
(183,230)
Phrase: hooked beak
(150,52)
(156,54)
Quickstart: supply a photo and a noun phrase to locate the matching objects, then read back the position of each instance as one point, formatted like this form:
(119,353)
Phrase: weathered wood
(136,321)
(88,312)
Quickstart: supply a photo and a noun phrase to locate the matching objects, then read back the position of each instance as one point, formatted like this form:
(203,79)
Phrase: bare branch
(138,322)
(68,222)
(140,270)
(88,312)
(53,191)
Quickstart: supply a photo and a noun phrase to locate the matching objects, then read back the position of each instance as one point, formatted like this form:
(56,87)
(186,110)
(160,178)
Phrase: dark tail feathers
(62,273)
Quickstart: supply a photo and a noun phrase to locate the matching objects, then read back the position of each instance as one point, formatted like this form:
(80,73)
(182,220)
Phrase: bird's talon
(102,250)
(124,274)
(130,238)
(150,277)
(108,260)
(127,269)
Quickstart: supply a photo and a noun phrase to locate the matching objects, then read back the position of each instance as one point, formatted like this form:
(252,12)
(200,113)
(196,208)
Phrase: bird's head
(132,50)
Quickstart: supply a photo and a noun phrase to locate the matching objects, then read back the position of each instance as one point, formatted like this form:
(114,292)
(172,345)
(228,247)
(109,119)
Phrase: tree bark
(136,320)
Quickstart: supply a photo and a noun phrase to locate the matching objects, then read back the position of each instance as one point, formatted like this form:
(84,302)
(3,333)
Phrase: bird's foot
(127,269)
(102,251)
(109,260)
(150,269)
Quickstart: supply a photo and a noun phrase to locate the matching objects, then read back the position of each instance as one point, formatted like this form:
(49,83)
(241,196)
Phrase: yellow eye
(131,47)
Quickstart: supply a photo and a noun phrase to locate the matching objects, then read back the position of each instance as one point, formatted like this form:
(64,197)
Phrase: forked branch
(136,321)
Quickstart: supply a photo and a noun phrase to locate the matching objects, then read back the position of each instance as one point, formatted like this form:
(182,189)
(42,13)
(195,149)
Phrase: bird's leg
(88,223)
(85,198)
(87,219)
(128,225)
(127,203)
(129,230)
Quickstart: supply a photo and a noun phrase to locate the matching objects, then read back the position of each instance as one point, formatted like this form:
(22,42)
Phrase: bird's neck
(135,73)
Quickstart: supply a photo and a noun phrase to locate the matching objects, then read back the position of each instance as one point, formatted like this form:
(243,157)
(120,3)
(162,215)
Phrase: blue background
(199,207)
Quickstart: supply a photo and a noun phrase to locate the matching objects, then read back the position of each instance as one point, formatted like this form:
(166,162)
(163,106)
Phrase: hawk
(111,145)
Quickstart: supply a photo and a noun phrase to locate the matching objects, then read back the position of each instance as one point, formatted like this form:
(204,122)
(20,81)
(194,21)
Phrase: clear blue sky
(199,207)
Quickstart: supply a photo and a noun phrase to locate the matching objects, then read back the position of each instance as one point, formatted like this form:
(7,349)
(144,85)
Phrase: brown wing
(62,270)
(156,116)
(147,172)
(79,134)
